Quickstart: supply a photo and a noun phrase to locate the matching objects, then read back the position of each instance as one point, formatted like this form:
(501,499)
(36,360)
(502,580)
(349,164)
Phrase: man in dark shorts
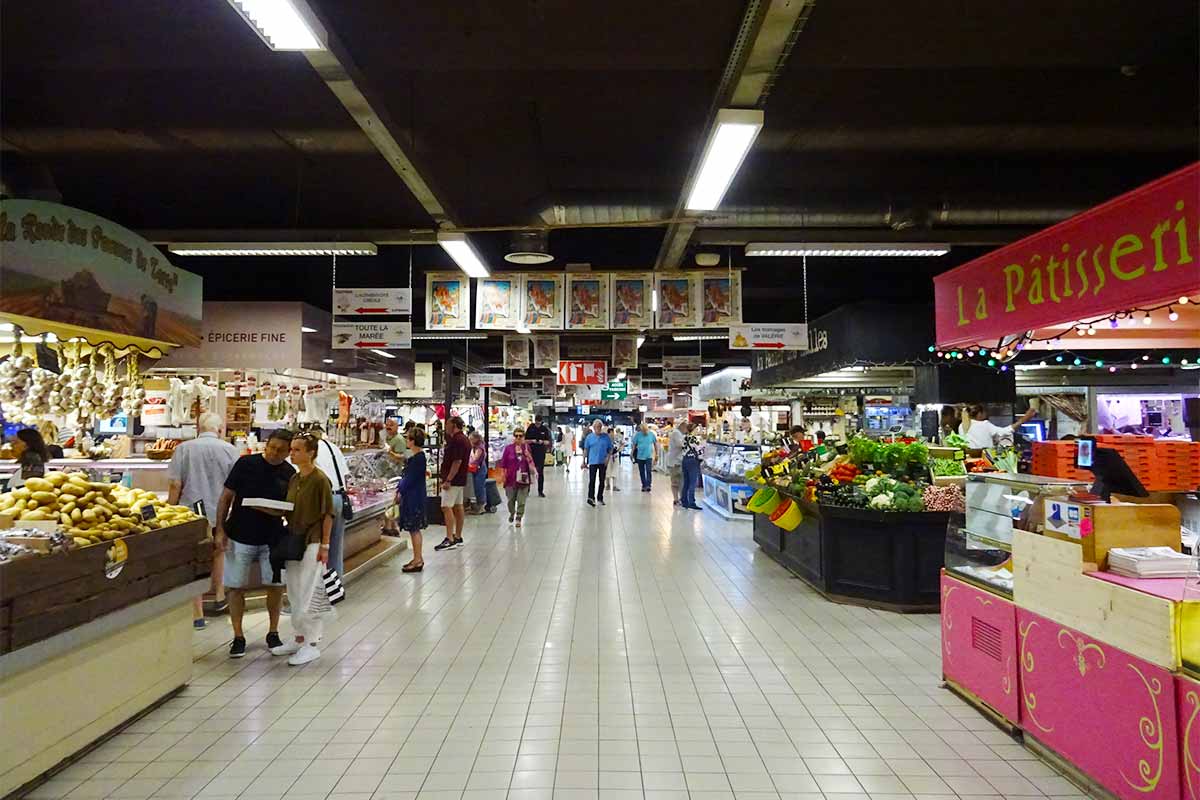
(246,534)
(455,458)
(537,436)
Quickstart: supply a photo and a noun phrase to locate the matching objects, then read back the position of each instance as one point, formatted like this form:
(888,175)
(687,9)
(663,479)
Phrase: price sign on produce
(367,302)
(372,335)
(582,373)
(790,336)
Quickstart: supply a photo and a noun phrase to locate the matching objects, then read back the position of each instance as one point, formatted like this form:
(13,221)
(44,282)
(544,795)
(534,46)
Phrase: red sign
(582,373)
(1137,249)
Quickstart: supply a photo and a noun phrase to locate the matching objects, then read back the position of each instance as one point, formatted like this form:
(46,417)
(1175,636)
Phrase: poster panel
(545,352)
(632,300)
(677,302)
(624,352)
(720,297)
(447,301)
(498,302)
(516,352)
(544,300)
(587,301)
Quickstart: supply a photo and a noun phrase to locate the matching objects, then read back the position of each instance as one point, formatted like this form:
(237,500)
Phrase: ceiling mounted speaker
(708,259)
(529,247)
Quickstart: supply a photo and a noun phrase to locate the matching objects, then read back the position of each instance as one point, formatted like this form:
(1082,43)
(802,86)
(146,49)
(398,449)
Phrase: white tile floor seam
(627,651)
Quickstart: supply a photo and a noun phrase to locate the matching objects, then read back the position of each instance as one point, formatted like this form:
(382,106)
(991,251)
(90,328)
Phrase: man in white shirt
(981,432)
(331,461)
(675,458)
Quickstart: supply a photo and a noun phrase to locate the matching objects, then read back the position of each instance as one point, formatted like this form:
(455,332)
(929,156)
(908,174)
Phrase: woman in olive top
(311,495)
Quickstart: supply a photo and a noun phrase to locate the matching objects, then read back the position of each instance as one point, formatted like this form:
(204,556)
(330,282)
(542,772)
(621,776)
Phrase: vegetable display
(957,440)
(946,466)
(944,498)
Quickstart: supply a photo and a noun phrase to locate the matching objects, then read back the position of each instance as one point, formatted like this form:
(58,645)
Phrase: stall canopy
(1135,254)
(70,273)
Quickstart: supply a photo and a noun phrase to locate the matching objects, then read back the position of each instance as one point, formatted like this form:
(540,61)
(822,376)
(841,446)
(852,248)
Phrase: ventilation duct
(529,247)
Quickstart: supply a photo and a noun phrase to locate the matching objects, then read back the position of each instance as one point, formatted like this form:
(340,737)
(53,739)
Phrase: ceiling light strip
(282,24)
(847,249)
(732,135)
(273,248)
(458,248)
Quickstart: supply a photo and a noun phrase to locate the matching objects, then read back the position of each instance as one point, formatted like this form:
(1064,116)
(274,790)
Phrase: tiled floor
(631,651)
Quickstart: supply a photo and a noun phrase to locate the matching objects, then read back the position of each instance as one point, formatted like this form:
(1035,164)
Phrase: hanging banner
(372,335)
(516,352)
(788,336)
(549,385)
(523,397)
(371,302)
(64,265)
(486,380)
(624,352)
(681,362)
(447,301)
(582,373)
(632,300)
(1138,249)
(498,302)
(246,336)
(681,377)
(544,301)
(677,306)
(720,297)
(587,301)
(545,352)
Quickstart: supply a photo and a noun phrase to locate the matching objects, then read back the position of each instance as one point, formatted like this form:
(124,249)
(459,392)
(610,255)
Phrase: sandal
(410,567)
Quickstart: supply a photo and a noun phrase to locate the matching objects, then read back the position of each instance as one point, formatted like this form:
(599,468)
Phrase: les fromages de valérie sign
(1137,249)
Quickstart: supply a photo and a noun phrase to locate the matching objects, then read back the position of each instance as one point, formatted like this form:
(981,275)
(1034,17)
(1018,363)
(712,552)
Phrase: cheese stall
(1070,611)
(97,577)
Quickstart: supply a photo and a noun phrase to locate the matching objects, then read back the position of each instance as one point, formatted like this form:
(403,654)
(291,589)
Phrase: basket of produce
(946,471)
(788,515)
(764,501)
(162,449)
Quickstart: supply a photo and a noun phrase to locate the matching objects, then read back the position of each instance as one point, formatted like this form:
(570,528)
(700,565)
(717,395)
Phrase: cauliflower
(881,501)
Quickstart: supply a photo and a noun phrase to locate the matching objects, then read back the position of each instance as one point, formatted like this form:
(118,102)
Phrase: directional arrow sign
(368,302)
(790,336)
(582,373)
(372,335)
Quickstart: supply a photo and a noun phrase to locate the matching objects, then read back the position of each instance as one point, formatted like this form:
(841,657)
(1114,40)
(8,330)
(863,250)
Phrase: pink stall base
(1188,694)
(979,645)
(1173,589)
(1108,713)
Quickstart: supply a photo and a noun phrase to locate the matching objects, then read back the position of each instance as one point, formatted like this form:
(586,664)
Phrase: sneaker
(591,502)
(518,522)
(273,640)
(601,501)
(616,488)
(238,648)
(445,545)
(286,648)
(511,517)
(459,544)
(198,624)
(305,654)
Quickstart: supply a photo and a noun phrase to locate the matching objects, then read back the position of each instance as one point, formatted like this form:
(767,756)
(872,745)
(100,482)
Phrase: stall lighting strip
(845,249)
(732,135)
(700,337)
(459,336)
(273,249)
(458,248)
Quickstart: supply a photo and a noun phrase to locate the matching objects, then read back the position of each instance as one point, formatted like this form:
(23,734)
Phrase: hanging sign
(615,390)
(624,352)
(789,336)
(654,394)
(498,302)
(632,300)
(516,352)
(523,397)
(368,302)
(548,385)
(677,305)
(544,300)
(486,380)
(587,301)
(372,335)
(447,301)
(582,373)
(681,362)
(155,412)
(681,377)
(1139,249)
(720,297)
(545,352)
(63,265)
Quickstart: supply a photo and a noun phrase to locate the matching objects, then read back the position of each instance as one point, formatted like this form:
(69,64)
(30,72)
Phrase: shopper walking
(197,474)
(519,464)
(410,496)
(537,439)
(456,455)
(675,459)
(645,450)
(691,469)
(246,534)
(395,449)
(477,470)
(332,462)
(614,460)
(597,446)
(311,518)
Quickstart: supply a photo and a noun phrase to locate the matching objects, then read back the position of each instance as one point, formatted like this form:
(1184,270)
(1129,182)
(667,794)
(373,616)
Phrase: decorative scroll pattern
(1190,765)
(1027,663)
(947,620)
(1152,737)
(1082,648)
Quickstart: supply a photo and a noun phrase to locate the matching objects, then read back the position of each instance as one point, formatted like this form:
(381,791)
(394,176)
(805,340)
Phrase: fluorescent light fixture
(463,253)
(282,24)
(700,337)
(728,142)
(304,329)
(391,375)
(326,360)
(273,248)
(849,249)
(654,301)
(449,335)
(383,353)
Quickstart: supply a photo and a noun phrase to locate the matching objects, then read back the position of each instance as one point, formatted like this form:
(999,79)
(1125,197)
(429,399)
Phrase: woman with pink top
(519,472)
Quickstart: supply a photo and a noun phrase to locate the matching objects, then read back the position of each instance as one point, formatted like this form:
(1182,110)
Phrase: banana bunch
(90,512)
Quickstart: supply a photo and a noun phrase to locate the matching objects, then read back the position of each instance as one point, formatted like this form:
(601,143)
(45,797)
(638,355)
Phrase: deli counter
(724,473)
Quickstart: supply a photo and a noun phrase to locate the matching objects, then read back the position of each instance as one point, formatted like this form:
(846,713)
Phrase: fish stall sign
(372,335)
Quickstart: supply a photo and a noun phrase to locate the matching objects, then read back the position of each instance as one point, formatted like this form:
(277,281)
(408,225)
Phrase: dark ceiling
(185,120)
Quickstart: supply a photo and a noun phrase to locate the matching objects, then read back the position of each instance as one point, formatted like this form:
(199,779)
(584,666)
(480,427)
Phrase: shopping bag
(333,587)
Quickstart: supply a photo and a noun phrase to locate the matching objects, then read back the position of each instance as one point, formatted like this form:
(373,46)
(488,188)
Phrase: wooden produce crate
(45,595)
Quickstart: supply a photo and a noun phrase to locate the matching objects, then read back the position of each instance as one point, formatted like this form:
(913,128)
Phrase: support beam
(336,67)
(769,29)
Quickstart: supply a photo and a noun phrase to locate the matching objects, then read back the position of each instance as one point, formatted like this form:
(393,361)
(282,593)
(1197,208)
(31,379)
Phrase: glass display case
(145,473)
(724,472)
(979,560)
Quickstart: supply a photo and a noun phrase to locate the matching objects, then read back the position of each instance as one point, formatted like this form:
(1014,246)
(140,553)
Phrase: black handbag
(347,509)
(288,547)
